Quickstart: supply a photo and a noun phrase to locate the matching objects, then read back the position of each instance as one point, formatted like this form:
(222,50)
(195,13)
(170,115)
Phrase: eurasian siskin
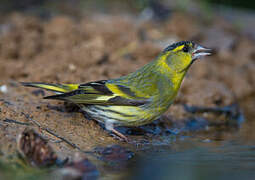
(137,98)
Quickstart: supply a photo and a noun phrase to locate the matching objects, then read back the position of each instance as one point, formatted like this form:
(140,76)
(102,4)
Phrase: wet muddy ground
(214,108)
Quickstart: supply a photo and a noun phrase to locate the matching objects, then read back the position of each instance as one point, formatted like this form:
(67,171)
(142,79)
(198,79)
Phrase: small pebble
(3,89)
(72,67)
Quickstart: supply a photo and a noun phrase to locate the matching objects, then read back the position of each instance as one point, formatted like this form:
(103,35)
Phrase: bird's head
(179,56)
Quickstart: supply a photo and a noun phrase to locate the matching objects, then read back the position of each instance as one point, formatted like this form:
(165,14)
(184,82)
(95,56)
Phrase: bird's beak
(200,51)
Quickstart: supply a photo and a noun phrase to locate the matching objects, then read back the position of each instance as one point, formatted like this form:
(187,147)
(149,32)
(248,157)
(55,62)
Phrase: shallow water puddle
(230,161)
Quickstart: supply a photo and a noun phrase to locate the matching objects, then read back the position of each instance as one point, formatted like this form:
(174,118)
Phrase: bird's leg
(122,136)
(109,127)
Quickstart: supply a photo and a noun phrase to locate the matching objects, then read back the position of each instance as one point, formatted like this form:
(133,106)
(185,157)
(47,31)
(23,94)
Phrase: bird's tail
(58,88)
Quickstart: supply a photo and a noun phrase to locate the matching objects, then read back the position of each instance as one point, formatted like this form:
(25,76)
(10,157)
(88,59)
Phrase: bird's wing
(102,92)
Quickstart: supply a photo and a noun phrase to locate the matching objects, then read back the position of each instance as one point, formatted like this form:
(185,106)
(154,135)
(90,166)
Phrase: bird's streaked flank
(137,98)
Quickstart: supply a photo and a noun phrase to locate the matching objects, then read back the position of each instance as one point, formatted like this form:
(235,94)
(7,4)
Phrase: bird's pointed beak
(200,51)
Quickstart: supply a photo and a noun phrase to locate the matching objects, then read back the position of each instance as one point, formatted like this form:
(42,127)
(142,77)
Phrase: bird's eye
(185,49)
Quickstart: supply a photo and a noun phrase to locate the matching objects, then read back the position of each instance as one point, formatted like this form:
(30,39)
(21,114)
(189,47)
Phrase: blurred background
(73,41)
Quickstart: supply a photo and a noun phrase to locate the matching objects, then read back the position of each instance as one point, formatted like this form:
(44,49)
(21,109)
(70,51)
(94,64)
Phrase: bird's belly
(119,115)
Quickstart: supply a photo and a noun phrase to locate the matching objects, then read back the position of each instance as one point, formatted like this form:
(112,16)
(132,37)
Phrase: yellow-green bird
(137,98)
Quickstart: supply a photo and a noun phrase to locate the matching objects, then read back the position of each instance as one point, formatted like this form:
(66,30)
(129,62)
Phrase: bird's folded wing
(102,92)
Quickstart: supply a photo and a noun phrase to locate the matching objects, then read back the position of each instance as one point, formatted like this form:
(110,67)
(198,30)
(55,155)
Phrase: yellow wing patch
(115,89)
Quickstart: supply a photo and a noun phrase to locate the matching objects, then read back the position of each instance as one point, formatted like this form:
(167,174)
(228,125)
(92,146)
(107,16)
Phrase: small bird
(137,98)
